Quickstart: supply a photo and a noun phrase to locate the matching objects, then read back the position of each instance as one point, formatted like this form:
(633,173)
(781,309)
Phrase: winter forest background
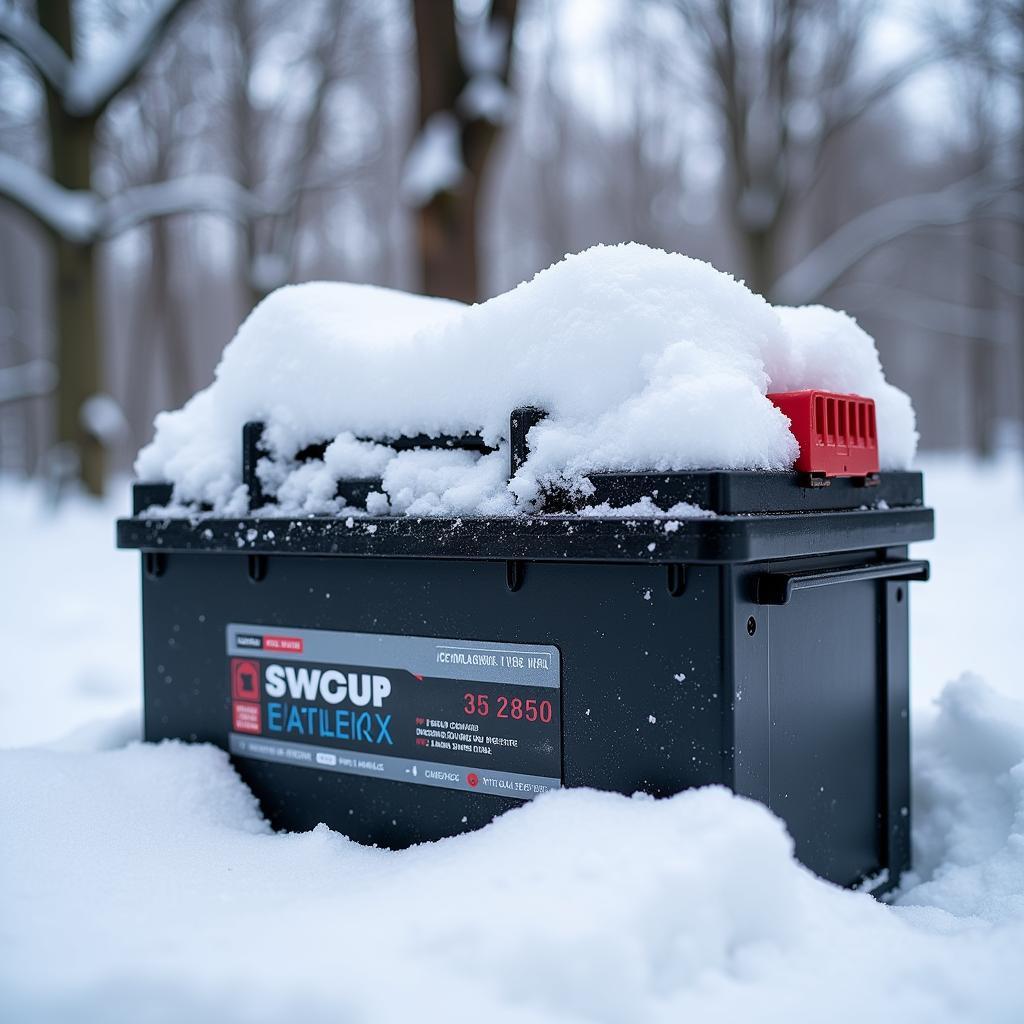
(165,163)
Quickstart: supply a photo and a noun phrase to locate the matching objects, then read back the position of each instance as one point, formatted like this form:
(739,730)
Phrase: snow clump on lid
(643,360)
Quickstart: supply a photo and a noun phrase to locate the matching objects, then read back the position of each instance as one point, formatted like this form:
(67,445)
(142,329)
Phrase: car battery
(405,679)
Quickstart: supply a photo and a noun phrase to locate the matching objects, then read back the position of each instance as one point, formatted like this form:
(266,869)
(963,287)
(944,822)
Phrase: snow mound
(969,797)
(149,877)
(643,360)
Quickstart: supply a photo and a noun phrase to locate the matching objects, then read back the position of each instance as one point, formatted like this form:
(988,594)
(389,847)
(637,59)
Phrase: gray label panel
(478,716)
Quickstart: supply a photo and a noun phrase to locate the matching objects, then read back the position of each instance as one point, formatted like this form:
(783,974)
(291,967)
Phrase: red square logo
(245,679)
(246,717)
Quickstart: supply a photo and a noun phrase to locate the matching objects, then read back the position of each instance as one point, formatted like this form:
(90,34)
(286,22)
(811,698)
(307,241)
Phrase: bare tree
(78,92)
(291,121)
(824,264)
(277,149)
(145,142)
(986,37)
(784,80)
(463,102)
(984,352)
(1012,14)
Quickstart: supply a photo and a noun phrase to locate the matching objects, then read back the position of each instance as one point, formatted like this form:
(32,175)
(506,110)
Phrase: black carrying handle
(776,587)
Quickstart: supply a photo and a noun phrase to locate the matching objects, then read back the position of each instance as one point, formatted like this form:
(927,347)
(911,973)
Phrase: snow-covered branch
(84,217)
(858,104)
(936,316)
(858,238)
(36,46)
(1006,274)
(434,163)
(86,86)
(73,215)
(198,193)
(28,380)
(93,84)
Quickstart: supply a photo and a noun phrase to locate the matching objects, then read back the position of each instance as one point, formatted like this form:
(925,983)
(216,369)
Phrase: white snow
(647,508)
(967,618)
(102,417)
(487,97)
(434,163)
(267,271)
(643,360)
(139,882)
(446,482)
(483,46)
(68,615)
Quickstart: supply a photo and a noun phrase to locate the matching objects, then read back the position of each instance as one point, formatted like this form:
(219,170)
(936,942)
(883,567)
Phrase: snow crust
(643,360)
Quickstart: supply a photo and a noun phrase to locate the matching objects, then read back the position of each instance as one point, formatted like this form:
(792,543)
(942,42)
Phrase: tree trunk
(246,131)
(447,223)
(167,317)
(760,253)
(983,353)
(983,397)
(446,230)
(1020,239)
(79,352)
(78,356)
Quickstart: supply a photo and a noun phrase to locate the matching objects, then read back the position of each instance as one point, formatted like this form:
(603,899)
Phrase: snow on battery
(640,359)
(523,516)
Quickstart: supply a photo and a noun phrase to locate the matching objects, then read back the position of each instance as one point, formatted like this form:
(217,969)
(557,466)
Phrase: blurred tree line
(166,163)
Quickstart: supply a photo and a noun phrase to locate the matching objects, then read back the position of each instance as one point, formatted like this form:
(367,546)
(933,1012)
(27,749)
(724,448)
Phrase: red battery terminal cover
(837,434)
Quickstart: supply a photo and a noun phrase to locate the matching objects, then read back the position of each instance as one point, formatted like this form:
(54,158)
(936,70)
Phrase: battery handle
(777,587)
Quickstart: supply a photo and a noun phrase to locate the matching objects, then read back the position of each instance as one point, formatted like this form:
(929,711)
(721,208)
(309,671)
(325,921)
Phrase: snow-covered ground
(139,882)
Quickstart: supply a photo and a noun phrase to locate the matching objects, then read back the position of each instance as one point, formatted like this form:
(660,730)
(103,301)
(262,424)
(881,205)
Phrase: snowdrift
(643,359)
(147,874)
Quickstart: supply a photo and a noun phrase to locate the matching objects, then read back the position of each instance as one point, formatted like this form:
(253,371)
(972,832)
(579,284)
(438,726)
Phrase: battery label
(461,714)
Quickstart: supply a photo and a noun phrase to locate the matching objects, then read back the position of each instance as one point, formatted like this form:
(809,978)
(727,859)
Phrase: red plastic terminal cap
(837,434)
